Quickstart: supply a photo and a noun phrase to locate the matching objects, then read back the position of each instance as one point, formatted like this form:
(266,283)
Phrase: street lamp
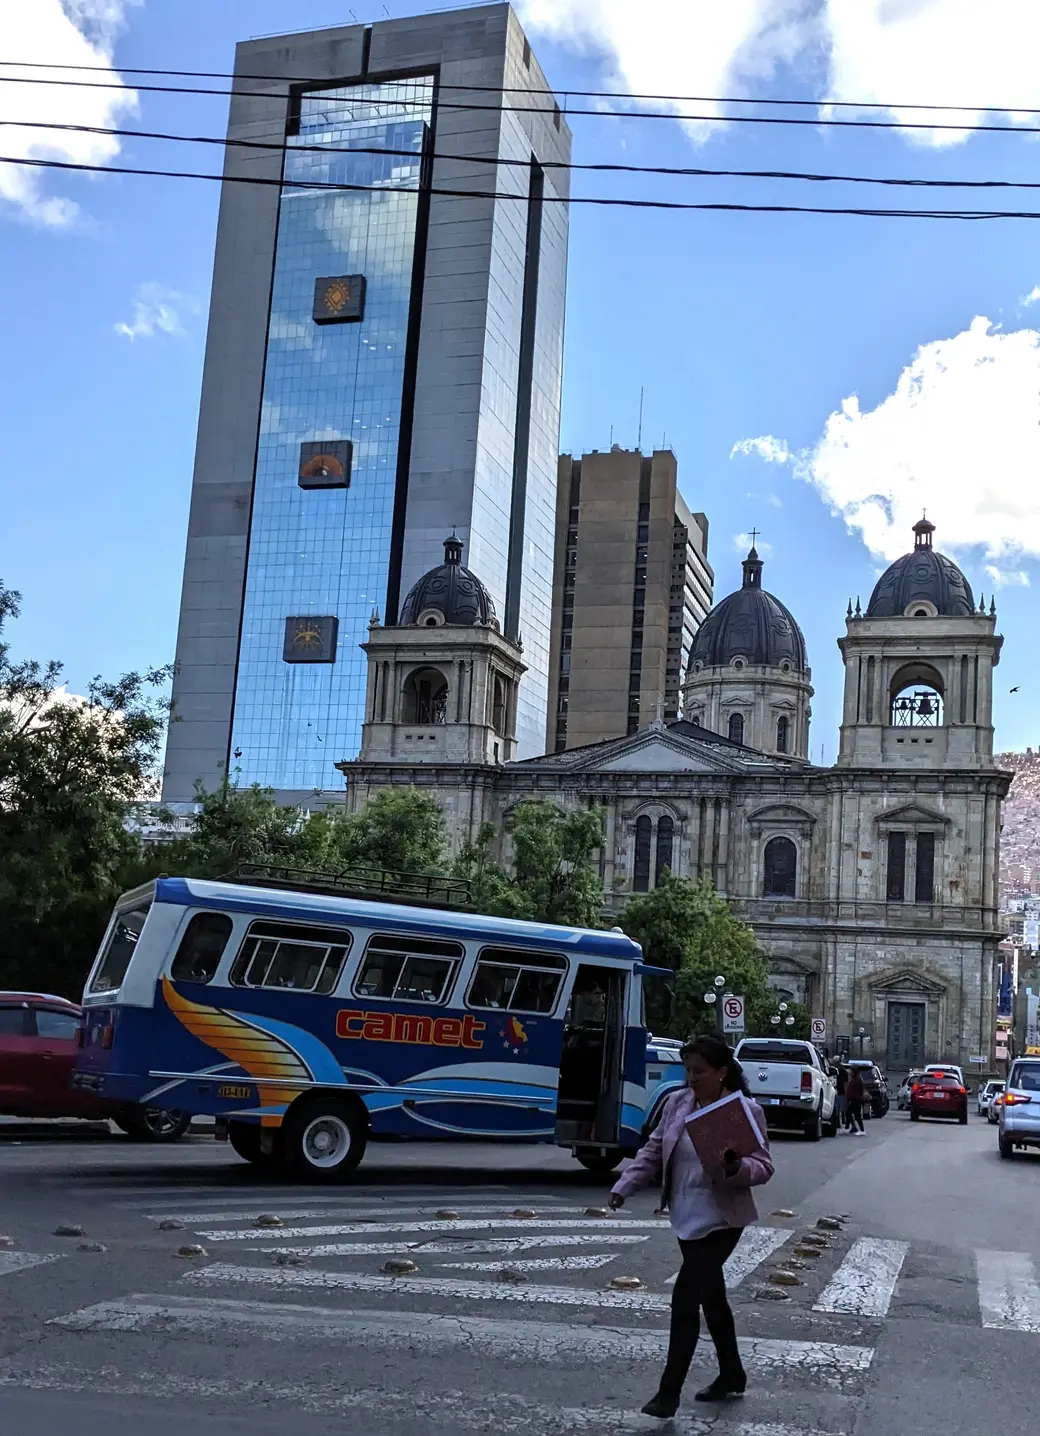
(775,1019)
(789,1020)
(713,999)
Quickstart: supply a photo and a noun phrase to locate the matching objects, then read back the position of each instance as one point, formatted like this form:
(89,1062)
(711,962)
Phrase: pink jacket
(733,1194)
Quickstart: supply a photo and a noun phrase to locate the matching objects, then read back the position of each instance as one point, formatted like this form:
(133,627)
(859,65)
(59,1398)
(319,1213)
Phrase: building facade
(631,586)
(872,884)
(383,365)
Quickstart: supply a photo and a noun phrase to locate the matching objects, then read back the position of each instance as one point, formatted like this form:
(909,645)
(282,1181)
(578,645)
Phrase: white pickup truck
(790,1082)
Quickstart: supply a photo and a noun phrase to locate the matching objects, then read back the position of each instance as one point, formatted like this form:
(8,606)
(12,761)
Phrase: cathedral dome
(751,626)
(449,593)
(924,578)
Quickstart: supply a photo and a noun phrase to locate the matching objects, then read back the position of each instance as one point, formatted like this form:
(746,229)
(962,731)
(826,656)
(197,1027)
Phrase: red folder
(725,1126)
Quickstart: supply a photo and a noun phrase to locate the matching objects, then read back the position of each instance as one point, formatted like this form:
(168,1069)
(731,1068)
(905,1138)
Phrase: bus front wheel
(324,1139)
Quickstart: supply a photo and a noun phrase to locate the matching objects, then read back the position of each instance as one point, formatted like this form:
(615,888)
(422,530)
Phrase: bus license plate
(237,1093)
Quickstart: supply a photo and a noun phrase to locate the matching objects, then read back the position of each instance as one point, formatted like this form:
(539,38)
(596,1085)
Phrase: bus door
(588,1107)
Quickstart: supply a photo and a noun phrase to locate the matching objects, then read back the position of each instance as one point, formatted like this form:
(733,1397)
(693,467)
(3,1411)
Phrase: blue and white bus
(307,1022)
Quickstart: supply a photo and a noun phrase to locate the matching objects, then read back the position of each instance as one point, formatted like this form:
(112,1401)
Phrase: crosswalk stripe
(458,1409)
(427,1331)
(566,1263)
(149,1198)
(455,1248)
(1009,1297)
(456,1289)
(479,1224)
(358,1211)
(866,1279)
(21,1261)
(755,1246)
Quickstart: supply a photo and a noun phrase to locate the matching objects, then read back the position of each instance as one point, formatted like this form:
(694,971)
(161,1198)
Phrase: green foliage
(70,770)
(686,926)
(554,878)
(399,829)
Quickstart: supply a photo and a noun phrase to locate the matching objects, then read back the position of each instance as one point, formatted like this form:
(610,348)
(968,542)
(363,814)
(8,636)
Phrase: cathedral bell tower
(919,668)
(442,682)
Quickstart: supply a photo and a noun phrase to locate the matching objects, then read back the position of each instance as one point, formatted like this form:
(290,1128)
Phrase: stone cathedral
(872,884)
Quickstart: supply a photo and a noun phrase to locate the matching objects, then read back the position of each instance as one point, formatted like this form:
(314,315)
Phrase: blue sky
(849,356)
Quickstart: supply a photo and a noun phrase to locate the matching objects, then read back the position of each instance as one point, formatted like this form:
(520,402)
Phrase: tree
(686,926)
(399,829)
(71,768)
(554,878)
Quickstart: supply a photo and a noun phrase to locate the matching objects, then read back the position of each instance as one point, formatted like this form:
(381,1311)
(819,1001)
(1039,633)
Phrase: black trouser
(854,1113)
(701,1284)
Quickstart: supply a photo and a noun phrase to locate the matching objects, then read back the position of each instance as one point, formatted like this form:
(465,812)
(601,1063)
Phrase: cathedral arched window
(665,842)
(917,697)
(426,697)
(499,706)
(782,729)
(641,868)
(736,728)
(780,865)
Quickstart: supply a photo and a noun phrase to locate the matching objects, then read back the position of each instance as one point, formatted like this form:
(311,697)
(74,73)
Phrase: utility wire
(275,147)
(534,90)
(516,109)
(601,200)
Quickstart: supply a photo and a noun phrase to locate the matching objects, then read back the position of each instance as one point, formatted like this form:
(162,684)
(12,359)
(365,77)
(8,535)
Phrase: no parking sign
(732,1013)
(818,1029)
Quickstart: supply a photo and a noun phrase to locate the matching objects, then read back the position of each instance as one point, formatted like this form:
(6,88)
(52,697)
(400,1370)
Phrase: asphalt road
(921,1314)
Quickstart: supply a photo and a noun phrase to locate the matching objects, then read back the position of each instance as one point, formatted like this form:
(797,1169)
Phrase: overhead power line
(602,200)
(606,167)
(596,112)
(554,94)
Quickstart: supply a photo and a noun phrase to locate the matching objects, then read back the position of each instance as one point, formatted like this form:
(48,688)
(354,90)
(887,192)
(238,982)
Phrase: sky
(822,378)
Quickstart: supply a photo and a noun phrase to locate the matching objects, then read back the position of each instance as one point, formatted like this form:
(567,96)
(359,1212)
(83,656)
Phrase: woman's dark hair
(718,1054)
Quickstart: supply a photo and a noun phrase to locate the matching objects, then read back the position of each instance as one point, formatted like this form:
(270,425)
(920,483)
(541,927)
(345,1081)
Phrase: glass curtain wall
(324,552)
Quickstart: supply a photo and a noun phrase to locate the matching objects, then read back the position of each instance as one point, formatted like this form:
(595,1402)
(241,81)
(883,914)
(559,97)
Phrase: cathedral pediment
(907,983)
(781,816)
(659,754)
(911,815)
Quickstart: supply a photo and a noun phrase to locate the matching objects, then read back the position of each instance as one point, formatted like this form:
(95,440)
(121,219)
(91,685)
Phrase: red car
(38,1043)
(938,1094)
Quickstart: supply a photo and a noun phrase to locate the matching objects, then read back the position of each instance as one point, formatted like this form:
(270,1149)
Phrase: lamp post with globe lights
(713,999)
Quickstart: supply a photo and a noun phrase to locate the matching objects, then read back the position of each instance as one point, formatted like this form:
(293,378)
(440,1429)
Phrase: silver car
(1019,1124)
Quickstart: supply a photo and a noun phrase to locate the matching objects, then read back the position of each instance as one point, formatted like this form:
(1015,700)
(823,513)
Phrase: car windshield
(1026,1079)
(773,1052)
(939,1079)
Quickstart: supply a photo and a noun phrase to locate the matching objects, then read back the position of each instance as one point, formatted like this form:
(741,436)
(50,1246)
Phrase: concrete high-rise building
(383,368)
(632,585)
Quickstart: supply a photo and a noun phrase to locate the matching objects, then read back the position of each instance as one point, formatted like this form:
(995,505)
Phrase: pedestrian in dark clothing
(854,1094)
(841,1076)
(709,1210)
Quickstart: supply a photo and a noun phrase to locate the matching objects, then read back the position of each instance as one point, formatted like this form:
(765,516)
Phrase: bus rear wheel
(324,1139)
(245,1138)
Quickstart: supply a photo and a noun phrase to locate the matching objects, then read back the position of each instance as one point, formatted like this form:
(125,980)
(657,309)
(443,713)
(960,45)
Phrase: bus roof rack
(379,884)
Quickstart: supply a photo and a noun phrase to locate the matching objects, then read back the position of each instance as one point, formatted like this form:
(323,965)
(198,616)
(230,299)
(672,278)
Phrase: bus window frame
(458,963)
(565,973)
(347,940)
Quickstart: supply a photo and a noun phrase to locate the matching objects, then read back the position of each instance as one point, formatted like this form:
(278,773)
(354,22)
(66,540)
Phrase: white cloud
(959,436)
(58,32)
(1031,297)
(742,542)
(157,310)
(774,451)
(1005,578)
(871,51)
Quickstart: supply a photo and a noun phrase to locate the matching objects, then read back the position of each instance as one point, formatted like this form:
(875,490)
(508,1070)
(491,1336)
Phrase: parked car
(1019,1121)
(39,1038)
(938,1094)
(993,1115)
(792,1083)
(987,1091)
(877,1101)
(903,1093)
(950,1067)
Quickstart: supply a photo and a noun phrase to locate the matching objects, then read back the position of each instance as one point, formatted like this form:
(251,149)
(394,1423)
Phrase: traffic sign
(732,1013)
(819,1029)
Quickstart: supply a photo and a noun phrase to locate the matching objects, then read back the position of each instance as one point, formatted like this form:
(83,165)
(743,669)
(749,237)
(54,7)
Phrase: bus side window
(516,981)
(291,957)
(201,947)
(412,969)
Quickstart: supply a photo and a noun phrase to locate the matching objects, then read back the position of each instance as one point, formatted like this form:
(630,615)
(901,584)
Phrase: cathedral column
(695,838)
(722,882)
(609,830)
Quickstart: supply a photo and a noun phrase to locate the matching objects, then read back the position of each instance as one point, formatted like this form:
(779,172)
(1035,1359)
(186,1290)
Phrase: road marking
(754,1247)
(363,1210)
(381,1229)
(865,1281)
(428,1331)
(458,1409)
(11,1262)
(567,1263)
(1009,1297)
(456,1289)
(454,1248)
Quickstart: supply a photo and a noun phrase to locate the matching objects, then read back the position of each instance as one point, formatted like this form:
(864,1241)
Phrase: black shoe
(723,1388)
(661,1406)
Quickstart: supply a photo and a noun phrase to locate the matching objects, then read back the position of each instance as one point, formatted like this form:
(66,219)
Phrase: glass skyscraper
(382,367)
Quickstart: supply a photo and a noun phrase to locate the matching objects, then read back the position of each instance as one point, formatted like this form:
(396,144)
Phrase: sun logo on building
(337,296)
(513,1035)
(307,639)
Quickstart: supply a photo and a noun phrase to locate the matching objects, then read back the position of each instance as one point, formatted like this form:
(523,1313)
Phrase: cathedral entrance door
(906,1035)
